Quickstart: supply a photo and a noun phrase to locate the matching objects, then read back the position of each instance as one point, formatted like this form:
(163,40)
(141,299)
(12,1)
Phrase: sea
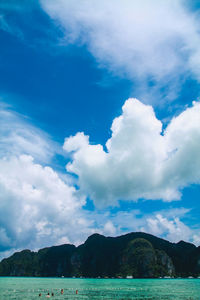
(22,288)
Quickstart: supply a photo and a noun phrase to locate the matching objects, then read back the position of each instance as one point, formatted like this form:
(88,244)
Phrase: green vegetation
(139,255)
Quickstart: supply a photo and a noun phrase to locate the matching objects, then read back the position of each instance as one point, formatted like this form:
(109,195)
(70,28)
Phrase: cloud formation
(38,206)
(140,160)
(169,224)
(140,40)
(173,229)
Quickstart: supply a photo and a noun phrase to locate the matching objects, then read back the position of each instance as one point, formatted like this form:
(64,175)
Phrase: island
(133,255)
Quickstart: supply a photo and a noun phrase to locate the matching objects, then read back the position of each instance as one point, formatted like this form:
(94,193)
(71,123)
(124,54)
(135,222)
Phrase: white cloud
(141,161)
(170,224)
(36,207)
(39,208)
(170,228)
(183,138)
(109,228)
(156,40)
(196,239)
(19,136)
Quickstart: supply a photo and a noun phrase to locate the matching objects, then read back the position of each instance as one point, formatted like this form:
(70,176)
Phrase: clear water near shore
(29,288)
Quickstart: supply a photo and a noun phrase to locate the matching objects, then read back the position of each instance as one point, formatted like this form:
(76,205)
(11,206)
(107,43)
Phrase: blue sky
(99,128)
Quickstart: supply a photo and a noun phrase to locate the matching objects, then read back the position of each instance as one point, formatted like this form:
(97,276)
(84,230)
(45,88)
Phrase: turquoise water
(29,288)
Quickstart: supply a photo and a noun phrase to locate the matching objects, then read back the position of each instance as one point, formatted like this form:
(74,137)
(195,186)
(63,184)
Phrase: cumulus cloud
(173,230)
(109,228)
(170,224)
(169,227)
(38,206)
(140,160)
(141,40)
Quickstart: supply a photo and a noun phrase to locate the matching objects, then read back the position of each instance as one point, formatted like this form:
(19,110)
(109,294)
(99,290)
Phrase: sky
(99,120)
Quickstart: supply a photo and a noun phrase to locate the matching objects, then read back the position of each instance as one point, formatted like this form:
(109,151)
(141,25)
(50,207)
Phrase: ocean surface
(30,288)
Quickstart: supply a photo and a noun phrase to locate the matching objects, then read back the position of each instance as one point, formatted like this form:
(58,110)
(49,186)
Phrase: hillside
(136,254)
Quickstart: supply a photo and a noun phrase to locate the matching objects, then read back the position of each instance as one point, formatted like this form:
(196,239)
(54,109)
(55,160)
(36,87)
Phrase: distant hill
(136,254)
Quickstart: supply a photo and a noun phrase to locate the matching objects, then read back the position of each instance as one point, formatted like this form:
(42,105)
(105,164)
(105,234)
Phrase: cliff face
(141,260)
(139,255)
